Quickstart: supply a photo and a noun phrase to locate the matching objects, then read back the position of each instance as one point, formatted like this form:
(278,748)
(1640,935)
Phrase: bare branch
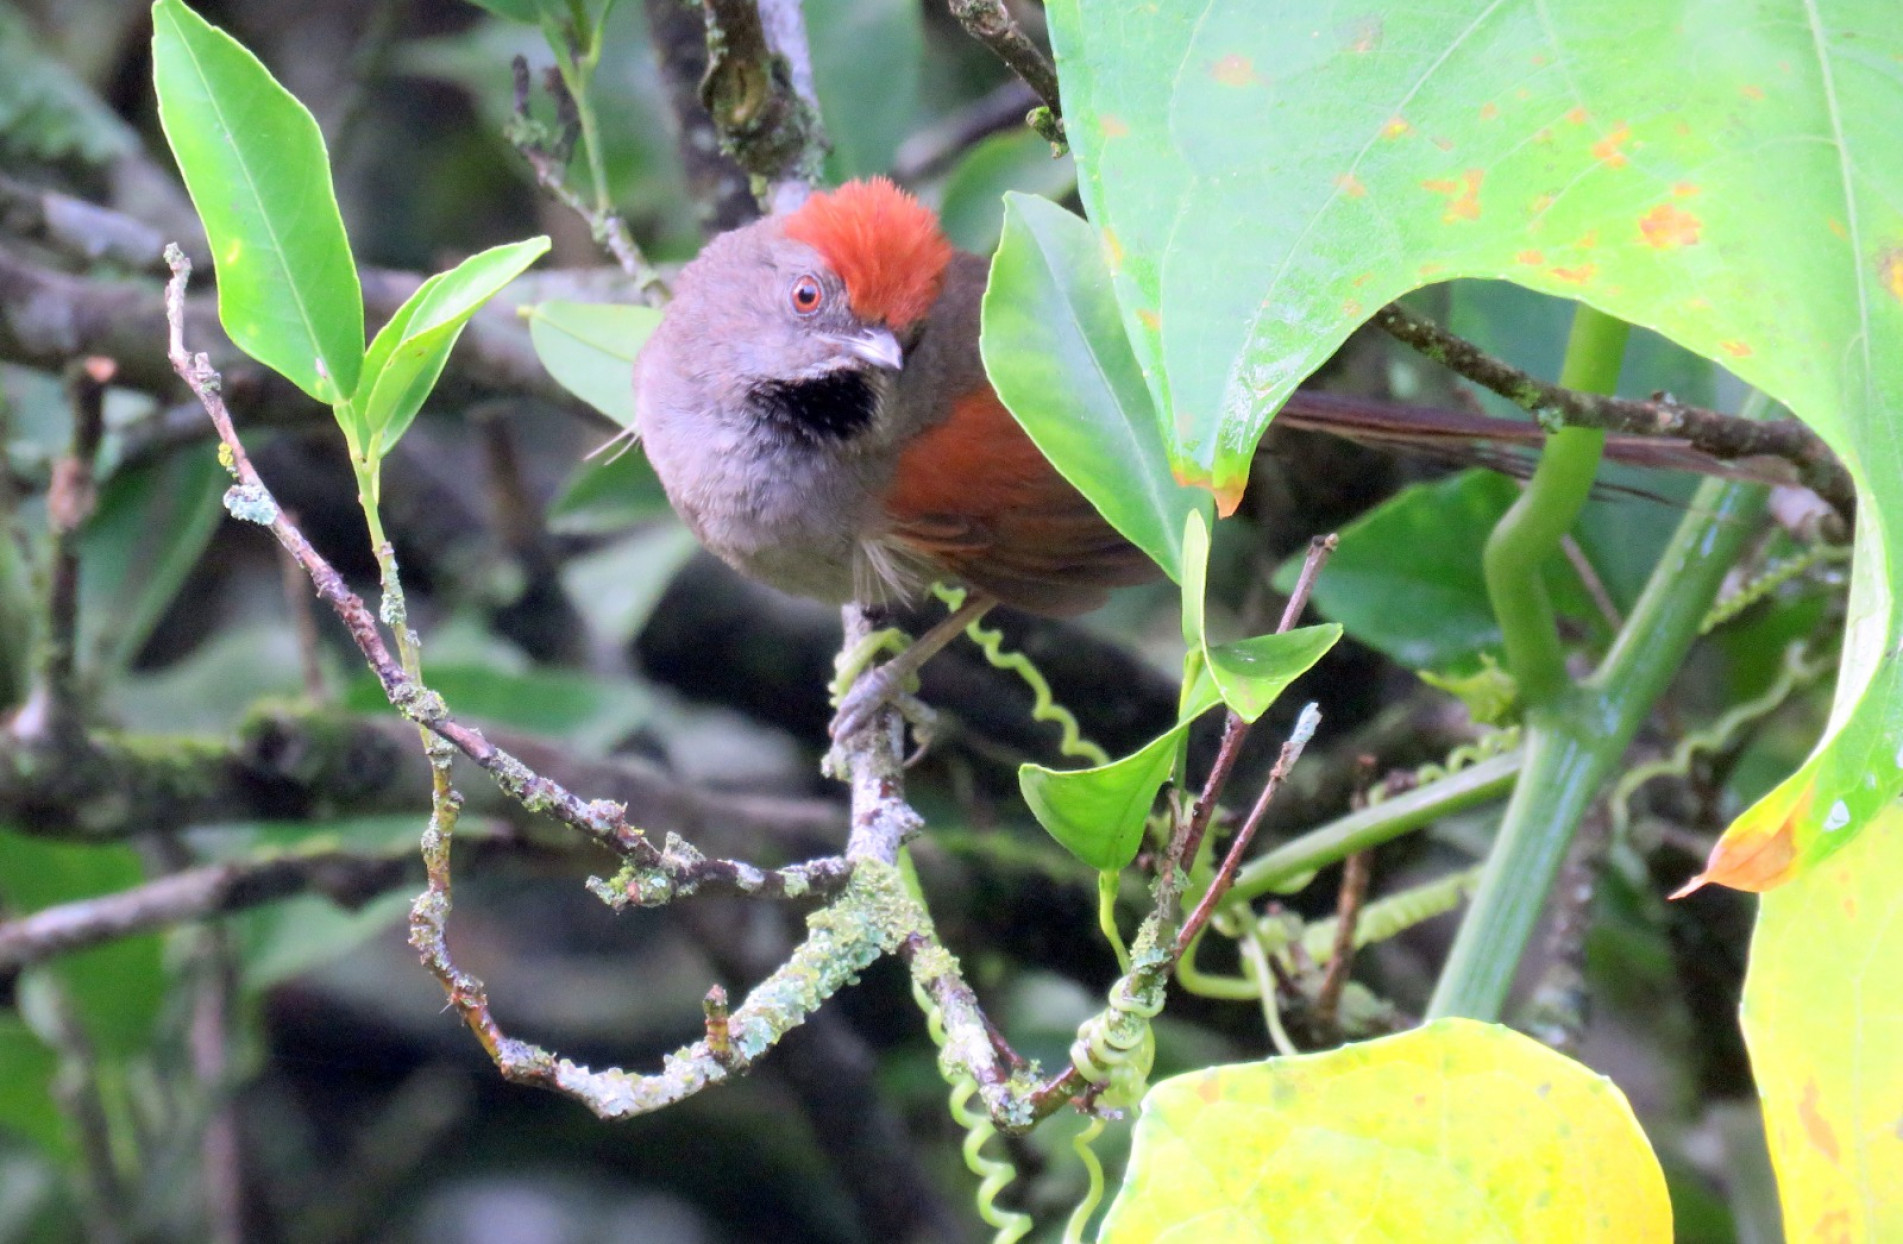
(989,22)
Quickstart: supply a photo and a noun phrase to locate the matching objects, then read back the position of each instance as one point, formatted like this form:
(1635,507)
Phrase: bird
(815,406)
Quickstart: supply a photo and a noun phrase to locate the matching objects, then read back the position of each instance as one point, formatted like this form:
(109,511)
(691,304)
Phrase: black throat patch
(833,407)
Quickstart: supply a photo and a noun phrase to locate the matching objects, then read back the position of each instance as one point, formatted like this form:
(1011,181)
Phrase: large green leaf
(1823,1014)
(1454,1131)
(1059,360)
(255,164)
(409,352)
(589,348)
(1723,172)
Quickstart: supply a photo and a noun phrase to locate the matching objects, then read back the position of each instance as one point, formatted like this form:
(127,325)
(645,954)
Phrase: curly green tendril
(994,1174)
(1044,706)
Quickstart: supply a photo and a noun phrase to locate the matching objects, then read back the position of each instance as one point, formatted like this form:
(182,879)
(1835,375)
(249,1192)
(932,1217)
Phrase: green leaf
(307,932)
(1097,814)
(609,494)
(408,354)
(589,348)
(584,708)
(1251,673)
(255,164)
(1453,1131)
(27,1068)
(1822,1013)
(1271,175)
(1059,359)
(150,527)
(866,60)
(527,11)
(46,111)
(1422,548)
(971,206)
(116,989)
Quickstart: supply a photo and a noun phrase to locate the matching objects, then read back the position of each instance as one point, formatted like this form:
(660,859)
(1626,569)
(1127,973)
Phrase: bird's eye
(807,295)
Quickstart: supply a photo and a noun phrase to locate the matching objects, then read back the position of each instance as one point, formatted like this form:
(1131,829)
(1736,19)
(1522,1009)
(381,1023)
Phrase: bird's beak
(876,346)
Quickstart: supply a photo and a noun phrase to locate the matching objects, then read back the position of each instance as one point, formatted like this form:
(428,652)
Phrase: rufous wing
(973,497)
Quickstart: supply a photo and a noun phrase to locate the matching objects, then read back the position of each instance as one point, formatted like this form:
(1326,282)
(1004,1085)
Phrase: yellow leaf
(1455,1131)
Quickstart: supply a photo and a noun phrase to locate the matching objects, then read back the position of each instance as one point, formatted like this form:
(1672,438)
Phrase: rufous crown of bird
(814,403)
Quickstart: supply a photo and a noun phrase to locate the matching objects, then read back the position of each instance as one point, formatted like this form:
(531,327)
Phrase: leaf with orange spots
(1823,1015)
(1751,211)
(1454,1131)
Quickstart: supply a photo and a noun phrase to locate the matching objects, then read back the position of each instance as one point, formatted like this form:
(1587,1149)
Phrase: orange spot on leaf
(1890,267)
(1113,250)
(1395,127)
(1665,227)
(1351,186)
(1112,126)
(1751,92)
(1539,205)
(1578,116)
(1536,259)
(1351,308)
(1363,279)
(1736,349)
(1463,196)
(1606,150)
(1367,36)
(1430,268)
(1151,320)
(1684,190)
(1577,275)
(1488,111)
(1543,135)
(1751,856)
(1816,1126)
(1837,227)
(1588,239)
(1233,70)
(1682,128)
(1209,1088)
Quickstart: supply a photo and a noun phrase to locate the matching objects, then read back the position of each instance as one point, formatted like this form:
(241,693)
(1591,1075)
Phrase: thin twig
(601,821)
(1722,436)
(1235,730)
(1355,874)
(989,22)
(53,709)
(550,165)
(1226,875)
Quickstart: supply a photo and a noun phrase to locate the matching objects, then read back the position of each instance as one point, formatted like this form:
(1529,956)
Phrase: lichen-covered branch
(1722,436)
(753,91)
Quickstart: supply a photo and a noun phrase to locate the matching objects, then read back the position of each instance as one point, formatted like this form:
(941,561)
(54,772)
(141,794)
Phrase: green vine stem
(1044,706)
(1530,532)
(1093,1170)
(1574,744)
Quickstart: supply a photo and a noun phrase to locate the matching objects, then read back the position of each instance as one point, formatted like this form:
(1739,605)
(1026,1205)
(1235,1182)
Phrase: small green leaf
(610,494)
(254,162)
(408,355)
(589,348)
(1453,1131)
(971,207)
(1097,814)
(1253,672)
(1055,349)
